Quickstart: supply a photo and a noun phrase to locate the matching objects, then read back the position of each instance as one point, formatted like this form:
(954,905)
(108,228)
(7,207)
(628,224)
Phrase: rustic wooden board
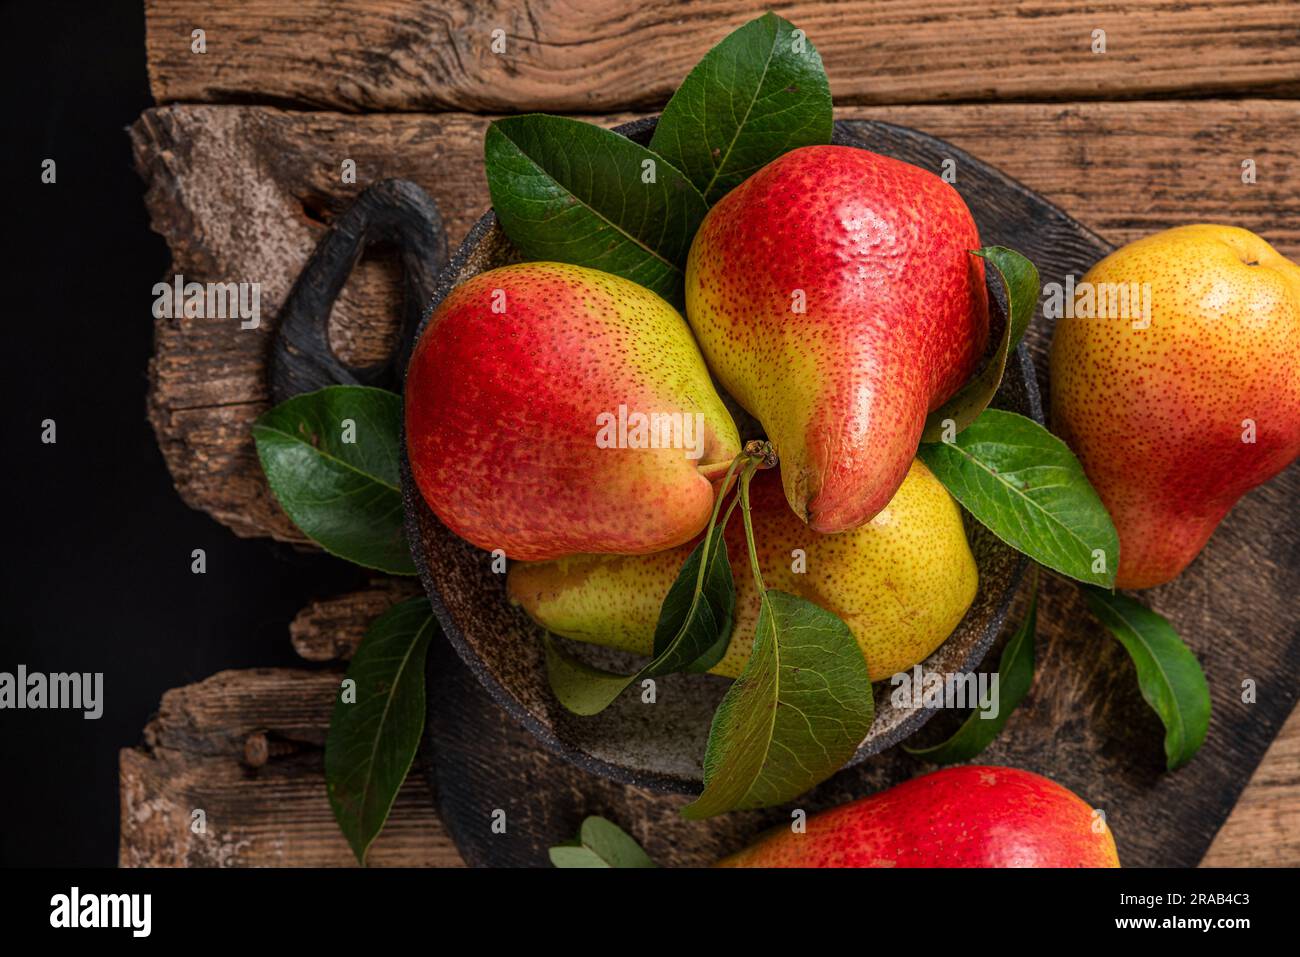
(277,815)
(1264,828)
(244,193)
(246,747)
(603,55)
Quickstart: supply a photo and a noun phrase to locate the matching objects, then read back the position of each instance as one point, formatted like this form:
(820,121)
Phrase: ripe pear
(901,583)
(1177,413)
(968,816)
(522,404)
(834,296)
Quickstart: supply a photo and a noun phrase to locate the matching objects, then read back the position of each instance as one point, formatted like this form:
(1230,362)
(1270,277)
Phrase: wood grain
(246,747)
(244,193)
(606,55)
(331,629)
(1264,829)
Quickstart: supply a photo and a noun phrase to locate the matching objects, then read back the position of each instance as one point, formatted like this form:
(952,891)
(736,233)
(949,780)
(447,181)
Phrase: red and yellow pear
(1190,397)
(521,403)
(968,816)
(835,296)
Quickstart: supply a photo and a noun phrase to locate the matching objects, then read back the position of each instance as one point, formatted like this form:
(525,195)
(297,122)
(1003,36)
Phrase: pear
(553,409)
(1190,397)
(901,583)
(967,816)
(834,296)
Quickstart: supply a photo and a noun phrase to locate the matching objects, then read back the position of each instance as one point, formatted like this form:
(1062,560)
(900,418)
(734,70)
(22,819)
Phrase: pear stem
(713,520)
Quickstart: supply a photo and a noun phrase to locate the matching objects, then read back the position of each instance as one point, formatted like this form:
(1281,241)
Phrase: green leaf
(1169,675)
(759,93)
(692,633)
(1020,280)
(795,715)
(1024,485)
(568,191)
(580,687)
(601,843)
(344,495)
(679,611)
(1015,675)
(372,740)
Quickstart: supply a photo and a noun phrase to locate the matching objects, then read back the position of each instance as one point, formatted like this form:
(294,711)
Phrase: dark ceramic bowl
(661,747)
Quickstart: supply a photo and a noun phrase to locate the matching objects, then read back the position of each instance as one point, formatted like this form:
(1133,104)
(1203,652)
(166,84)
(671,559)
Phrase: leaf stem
(749,524)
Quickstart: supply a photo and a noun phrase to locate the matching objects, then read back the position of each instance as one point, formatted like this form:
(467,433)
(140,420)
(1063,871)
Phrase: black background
(272,906)
(97,542)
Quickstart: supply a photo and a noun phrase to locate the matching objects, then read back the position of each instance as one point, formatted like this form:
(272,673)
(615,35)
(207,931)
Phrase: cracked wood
(246,748)
(575,56)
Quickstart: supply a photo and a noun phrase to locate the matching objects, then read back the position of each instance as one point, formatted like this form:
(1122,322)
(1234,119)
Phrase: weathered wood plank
(244,193)
(330,630)
(604,55)
(1264,828)
(246,748)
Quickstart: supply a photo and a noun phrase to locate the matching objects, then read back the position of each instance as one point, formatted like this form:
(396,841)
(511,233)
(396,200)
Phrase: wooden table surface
(241,157)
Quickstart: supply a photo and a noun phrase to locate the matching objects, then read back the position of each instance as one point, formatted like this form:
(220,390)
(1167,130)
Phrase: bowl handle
(394,211)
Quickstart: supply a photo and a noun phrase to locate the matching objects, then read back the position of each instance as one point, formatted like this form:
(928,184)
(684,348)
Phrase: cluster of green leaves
(568,191)
(799,709)
(600,843)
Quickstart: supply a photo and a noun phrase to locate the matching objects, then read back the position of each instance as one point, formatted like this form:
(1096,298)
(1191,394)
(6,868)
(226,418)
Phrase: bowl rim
(663,782)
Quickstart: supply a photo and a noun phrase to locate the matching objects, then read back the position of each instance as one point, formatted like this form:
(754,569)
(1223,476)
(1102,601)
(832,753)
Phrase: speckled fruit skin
(958,817)
(902,582)
(1157,415)
(896,317)
(502,407)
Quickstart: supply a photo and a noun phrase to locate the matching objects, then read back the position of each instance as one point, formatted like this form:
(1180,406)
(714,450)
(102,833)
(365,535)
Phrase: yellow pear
(901,582)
